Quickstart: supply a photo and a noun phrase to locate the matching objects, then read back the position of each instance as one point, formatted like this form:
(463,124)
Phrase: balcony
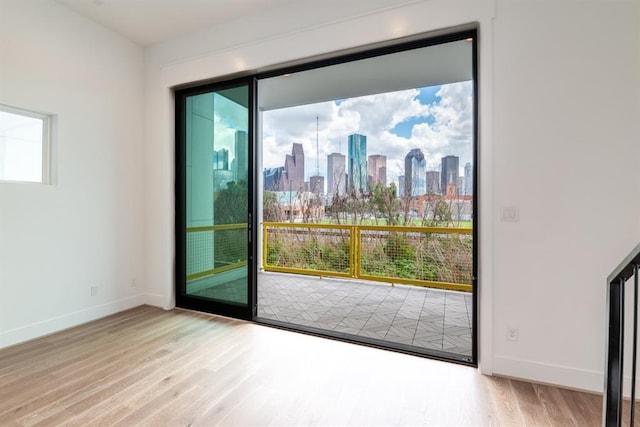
(429,319)
(408,286)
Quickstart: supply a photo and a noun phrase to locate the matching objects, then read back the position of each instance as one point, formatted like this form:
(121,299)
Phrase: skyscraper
(221,173)
(316,184)
(433,182)
(241,153)
(357,162)
(468,179)
(221,159)
(274,179)
(336,174)
(414,173)
(449,174)
(294,169)
(377,170)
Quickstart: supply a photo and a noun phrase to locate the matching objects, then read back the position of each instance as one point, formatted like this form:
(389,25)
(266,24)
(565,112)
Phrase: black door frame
(247,312)
(356,54)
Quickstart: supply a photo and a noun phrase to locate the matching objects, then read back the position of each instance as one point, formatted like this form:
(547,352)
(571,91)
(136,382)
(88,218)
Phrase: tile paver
(431,319)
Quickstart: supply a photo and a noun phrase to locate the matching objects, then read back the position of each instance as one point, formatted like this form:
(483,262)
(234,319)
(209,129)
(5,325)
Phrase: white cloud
(448,130)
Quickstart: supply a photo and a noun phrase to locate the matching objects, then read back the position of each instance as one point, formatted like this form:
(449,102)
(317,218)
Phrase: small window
(25,140)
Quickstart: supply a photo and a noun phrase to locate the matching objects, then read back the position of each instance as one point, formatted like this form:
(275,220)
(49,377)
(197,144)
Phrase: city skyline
(437,120)
(415,180)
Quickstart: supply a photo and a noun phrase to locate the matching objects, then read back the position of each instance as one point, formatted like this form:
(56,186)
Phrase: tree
(230,207)
(385,203)
(230,204)
(310,205)
(439,210)
(271,209)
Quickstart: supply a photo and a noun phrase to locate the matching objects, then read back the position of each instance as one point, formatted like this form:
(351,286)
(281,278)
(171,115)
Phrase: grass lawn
(412,223)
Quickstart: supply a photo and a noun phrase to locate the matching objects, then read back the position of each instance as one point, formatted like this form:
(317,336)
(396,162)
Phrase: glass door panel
(214,199)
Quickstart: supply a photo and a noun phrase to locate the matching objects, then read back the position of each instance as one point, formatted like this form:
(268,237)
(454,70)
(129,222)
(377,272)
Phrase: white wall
(560,101)
(87,229)
(560,86)
(566,80)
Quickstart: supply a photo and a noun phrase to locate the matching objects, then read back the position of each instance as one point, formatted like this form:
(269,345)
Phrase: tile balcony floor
(426,318)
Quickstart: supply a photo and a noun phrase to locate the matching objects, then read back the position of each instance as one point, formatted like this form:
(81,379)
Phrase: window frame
(46,142)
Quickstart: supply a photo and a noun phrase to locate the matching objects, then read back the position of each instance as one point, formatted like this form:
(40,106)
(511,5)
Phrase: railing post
(612,411)
(614,374)
(635,344)
(265,246)
(354,251)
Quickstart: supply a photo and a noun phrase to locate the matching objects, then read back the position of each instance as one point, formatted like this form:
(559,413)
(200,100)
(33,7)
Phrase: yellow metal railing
(299,249)
(215,248)
(423,256)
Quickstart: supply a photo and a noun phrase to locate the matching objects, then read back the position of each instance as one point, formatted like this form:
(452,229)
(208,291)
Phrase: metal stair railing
(613,379)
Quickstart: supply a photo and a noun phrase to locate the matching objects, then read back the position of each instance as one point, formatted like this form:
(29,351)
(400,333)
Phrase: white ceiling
(147,22)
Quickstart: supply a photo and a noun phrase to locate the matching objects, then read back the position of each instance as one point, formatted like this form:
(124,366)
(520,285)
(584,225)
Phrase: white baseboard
(563,376)
(55,324)
(158,300)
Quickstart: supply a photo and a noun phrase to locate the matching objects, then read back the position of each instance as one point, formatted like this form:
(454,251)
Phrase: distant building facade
(468,179)
(336,174)
(240,162)
(449,174)
(274,179)
(377,170)
(294,205)
(415,173)
(316,184)
(433,182)
(357,162)
(221,159)
(294,169)
(221,173)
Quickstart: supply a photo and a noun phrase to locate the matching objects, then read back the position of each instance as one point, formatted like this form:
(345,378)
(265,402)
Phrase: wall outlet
(94,291)
(510,213)
(134,282)
(512,334)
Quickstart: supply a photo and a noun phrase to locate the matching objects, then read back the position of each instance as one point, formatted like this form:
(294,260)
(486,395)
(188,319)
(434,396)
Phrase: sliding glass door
(368,174)
(214,198)
(393,135)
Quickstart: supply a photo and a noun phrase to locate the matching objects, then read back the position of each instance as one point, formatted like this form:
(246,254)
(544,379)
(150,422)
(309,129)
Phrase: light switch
(510,213)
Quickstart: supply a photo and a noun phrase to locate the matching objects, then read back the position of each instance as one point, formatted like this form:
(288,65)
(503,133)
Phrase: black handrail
(613,379)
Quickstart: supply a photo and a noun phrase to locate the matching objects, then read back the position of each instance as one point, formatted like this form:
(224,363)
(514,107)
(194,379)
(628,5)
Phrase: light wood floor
(152,367)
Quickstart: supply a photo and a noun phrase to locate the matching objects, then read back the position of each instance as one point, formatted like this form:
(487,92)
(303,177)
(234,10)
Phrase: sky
(20,148)
(437,119)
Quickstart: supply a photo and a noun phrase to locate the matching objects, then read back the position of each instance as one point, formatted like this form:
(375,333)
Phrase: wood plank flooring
(150,367)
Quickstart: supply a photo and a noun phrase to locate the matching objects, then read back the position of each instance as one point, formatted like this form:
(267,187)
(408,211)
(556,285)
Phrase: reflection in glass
(216,195)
